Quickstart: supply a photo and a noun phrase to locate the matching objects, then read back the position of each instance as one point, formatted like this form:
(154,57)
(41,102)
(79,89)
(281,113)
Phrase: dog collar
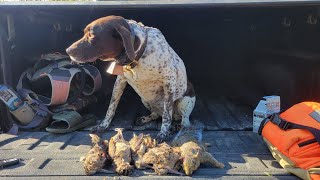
(129,67)
(142,48)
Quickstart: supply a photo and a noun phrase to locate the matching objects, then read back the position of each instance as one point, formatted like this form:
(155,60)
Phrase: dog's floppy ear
(127,41)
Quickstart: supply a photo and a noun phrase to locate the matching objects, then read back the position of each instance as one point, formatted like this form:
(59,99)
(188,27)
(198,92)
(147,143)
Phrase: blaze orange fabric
(287,141)
(315,176)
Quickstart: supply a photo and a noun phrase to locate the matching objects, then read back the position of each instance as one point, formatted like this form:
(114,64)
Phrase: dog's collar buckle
(129,67)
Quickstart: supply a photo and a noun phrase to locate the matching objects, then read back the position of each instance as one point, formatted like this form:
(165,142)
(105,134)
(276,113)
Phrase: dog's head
(104,39)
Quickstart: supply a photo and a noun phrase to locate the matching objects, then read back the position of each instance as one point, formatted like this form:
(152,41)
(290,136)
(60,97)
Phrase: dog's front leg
(167,112)
(118,89)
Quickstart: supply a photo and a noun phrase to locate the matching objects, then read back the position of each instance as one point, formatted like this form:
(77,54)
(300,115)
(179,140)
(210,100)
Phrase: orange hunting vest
(293,137)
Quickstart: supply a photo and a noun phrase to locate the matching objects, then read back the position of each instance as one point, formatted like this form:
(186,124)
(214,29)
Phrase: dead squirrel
(139,146)
(193,150)
(119,150)
(97,157)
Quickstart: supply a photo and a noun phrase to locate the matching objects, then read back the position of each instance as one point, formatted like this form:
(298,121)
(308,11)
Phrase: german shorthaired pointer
(152,68)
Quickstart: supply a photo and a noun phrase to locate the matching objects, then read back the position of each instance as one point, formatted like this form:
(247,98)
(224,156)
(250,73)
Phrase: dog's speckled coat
(160,79)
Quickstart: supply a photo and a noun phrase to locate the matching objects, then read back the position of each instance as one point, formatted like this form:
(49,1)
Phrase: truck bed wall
(241,53)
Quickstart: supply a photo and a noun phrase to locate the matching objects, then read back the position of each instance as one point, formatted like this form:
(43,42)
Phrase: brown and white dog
(156,72)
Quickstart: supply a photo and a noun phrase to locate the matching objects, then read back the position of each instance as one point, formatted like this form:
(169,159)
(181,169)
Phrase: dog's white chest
(146,84)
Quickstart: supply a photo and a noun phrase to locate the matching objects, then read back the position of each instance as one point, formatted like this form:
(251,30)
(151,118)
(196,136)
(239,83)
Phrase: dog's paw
(161,137)
(98,129)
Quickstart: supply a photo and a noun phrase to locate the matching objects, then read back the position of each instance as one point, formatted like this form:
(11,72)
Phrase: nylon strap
(285,125)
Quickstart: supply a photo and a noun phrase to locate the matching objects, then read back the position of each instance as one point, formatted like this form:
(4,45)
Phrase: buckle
(284,125)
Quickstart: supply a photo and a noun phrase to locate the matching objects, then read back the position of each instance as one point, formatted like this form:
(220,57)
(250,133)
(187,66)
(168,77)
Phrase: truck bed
(235,52)
(50,156)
